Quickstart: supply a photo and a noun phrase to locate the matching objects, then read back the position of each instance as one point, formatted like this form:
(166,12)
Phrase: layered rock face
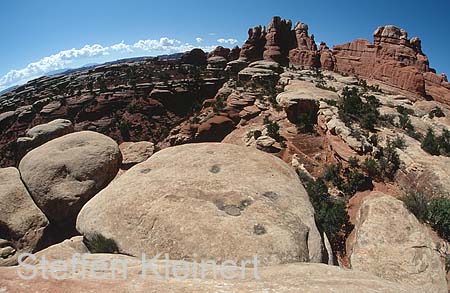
(253,48)
(278,40)
(282,44)
(219,209)
(305,52)
(394,59)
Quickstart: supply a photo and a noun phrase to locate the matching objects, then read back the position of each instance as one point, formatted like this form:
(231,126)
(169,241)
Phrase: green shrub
(439,216)
(444,143)
(417,204)
(272,128)
(447,262)
(124,129)
(96,243)
(388,161)
(370,167)
(399,143)
(351,103)
(404,111)
(405,122)
(353,162)
(435,211)
(332,174)
(353,108)
(356,181)
(436,112)
(330,214)
(430,143)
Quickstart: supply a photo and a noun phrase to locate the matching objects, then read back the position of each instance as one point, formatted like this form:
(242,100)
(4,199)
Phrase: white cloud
(199,40)
(211,34)
(62,59)
(227,41)
(53,62)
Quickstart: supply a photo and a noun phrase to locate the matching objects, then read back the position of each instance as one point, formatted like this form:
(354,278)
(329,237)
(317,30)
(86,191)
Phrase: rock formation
(64,173)
(278,40)
(402,252)
(135,152)
(305,51)
(22,224)
(219,209)
(42,133)
(253,48)
(236,197)
(393,59)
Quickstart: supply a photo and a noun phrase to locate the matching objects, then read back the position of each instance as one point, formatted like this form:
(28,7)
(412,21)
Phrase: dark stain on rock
(259,229)
(145,171)
(232,210)
(215,169)
(271,195)
(219,204)
(245,203)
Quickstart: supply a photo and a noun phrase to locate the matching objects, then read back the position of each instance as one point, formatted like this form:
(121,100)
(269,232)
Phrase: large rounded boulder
(64,173)
(22,224)
(391,243)
(207,201)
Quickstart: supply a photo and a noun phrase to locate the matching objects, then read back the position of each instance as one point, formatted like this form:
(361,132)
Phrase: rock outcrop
(305,51)
(194,57)
(135,152)
(394,59)
(42,133)
(302,98)
(402,253)
(22,224)
(220,209)
(278,40)
(253,48)
(64,173)
(279,278)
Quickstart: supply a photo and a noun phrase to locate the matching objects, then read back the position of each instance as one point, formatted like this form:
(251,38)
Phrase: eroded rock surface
(203,201)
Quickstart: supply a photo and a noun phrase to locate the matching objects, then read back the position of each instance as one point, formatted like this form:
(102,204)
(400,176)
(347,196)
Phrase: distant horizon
(37,38)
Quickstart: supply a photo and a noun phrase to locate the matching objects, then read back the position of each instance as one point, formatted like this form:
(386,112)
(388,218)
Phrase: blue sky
(39,36)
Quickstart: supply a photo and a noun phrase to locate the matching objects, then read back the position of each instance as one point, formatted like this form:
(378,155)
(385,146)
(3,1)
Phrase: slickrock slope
(306,277)
(207,201)
(401,252)
(279,278)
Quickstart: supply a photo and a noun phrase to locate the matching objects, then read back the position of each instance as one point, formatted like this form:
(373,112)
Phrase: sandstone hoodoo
(64,173)
(204,201)
(392,58)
